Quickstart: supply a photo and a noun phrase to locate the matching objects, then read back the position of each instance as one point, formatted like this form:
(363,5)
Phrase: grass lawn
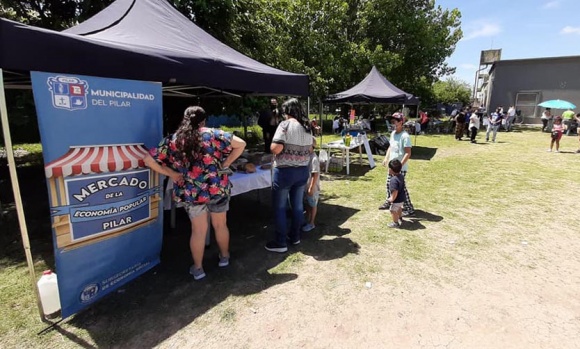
(491,260)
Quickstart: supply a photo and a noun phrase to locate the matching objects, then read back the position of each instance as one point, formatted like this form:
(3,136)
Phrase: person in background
(494,122)
(398,192)
(473,125)
(268,121)
(424,121)
(312,188)
(546,117)
(557,132)
(567,118)
(459,125)
(400,149)
(315,128)
(467,119)
(291,145)
(194,158)
(336,125)
(510,117)
(578,121)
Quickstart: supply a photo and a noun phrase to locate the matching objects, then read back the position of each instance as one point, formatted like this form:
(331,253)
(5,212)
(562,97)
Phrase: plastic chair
(323,159)
(323,155)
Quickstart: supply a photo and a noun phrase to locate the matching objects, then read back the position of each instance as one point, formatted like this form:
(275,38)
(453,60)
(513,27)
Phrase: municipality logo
(68,92)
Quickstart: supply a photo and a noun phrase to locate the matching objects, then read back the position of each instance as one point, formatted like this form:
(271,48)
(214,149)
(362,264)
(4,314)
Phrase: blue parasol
(557,104)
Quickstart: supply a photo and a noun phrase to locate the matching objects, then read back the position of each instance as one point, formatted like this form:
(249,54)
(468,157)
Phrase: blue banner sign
(105,203)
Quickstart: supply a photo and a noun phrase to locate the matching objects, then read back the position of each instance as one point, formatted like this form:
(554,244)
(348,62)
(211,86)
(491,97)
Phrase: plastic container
(347,140)
(48,290)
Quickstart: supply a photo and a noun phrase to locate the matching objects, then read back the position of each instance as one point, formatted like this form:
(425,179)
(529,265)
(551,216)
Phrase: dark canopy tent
(143,40)
(131,39)
(24,48)
(373,89)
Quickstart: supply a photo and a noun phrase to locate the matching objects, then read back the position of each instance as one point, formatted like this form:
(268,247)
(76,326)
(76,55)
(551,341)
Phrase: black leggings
(473,133)
(544,124)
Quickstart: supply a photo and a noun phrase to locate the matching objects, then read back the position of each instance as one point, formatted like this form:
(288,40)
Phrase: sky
(520,28)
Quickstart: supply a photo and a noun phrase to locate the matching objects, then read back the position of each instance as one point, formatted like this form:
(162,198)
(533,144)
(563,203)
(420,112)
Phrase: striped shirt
(297,144)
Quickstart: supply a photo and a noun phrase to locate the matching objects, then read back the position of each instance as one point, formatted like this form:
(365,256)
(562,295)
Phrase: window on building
(527,102)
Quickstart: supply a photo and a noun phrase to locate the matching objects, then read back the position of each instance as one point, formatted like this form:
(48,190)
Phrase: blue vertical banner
(105,203)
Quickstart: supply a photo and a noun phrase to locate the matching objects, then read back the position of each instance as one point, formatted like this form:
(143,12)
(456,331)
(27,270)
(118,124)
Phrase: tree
(336,42)
(451,91)
(52,14)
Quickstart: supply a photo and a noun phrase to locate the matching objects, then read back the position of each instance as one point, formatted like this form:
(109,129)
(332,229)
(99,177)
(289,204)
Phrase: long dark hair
(293,109)
(187,135)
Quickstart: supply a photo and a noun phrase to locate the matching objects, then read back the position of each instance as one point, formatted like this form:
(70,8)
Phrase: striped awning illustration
(97,159)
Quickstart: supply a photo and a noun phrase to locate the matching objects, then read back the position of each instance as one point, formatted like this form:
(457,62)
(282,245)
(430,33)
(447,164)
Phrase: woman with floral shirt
(193,157)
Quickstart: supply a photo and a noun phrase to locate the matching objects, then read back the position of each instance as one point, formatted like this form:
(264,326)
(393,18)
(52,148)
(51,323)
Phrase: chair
(323,158)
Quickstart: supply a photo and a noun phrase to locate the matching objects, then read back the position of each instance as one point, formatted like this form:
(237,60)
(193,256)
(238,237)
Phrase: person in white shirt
(473,125)
(335,124)
(546,118)
(511,115)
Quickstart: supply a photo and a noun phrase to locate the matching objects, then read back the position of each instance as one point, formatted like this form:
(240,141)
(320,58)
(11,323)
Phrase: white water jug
(48,290)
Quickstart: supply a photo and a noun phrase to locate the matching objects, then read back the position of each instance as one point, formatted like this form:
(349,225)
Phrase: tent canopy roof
(144,40)
(374,88)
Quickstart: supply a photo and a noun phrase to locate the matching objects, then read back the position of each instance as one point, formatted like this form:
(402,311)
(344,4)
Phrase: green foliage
(51,14)
(22,117)
(451,91)
(337,42)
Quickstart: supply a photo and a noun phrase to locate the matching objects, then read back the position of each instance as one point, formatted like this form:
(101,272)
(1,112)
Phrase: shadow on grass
(165,300)
(34,194)
(74,338)
(414,222)
(423,153)
(357,172)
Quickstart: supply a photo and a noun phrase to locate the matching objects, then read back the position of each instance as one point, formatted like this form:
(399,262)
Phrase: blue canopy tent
(373,89)
(144,40)
(132,39)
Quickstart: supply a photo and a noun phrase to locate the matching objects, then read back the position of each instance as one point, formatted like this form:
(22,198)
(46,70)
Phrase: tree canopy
(451,91)
(335,42)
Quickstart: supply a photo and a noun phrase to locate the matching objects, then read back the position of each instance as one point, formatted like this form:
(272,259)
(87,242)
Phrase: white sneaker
(549,150)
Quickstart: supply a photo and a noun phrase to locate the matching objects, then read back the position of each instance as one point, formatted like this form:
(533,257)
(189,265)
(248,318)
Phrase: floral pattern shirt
(202,183)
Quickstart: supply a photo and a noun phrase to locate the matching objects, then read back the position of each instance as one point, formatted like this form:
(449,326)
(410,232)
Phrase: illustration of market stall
(99,192)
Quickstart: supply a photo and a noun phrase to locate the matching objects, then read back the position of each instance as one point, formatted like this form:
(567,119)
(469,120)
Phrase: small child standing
(397,189)
(557,131)
(312,191)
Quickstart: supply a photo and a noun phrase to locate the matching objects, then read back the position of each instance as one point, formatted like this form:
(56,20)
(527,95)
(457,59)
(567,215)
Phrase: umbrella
(557,104)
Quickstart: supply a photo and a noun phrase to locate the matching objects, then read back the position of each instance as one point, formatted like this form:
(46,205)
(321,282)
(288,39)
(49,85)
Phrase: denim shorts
(214,206)
(312,201)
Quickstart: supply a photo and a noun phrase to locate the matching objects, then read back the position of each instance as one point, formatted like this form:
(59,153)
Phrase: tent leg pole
(244,120)
(321,126)
(16,191)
